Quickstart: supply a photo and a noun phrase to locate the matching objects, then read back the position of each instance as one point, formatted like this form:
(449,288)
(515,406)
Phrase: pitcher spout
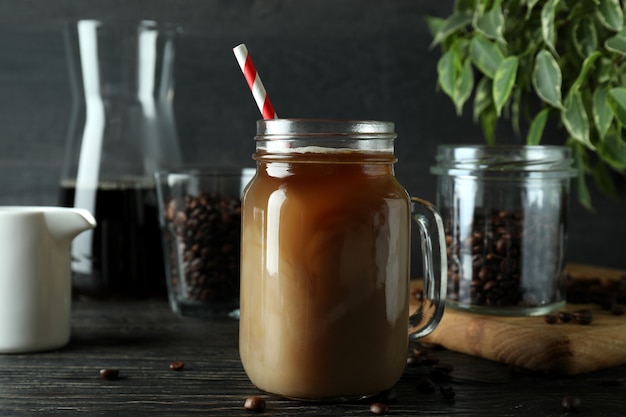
(67,223)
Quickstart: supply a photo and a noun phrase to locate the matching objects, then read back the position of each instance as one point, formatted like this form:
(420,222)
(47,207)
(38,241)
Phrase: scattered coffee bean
(413,360)
(447,392)
(564,316)
(254,403)
(429,360)
(590,290)
(109,373)
(583,316)
(379,408)
(425,385)
(440,372)
(177,365)
(420,356)
(417,294)
(420,351)
(570,403)
(550,319)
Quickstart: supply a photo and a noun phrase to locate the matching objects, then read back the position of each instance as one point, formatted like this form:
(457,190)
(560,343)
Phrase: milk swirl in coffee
(324,299)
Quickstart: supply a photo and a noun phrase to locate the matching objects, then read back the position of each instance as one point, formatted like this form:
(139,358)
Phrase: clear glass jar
(200,214)
(325,261)
(505,217)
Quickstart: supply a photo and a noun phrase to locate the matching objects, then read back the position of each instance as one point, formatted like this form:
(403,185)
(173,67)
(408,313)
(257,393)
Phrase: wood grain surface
(141,338)
(529,342)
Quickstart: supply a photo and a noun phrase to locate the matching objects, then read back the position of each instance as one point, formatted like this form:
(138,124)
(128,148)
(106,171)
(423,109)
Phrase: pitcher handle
(430,311)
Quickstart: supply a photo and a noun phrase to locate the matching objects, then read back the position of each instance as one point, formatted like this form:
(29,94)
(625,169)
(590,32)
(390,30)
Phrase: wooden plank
(140,338)
(529,342)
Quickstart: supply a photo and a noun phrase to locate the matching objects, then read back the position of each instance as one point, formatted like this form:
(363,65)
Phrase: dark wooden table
(142,338)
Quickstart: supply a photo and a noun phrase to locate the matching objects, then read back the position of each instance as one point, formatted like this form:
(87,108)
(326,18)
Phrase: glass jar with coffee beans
(200,216)
(505,215)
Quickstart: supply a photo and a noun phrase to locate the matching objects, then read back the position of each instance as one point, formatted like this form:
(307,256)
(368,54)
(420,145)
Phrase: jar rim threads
(504,161)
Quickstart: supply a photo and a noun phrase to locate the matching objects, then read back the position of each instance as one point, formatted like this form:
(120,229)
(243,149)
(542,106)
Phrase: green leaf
(491,24)
(604,73)
(434,24)
(456,21)
(617,43)
(613,152)
(448,70)
(489,120)
(464,5)
(530,4)
(582,76)
(602,114)
(574,117)
(535,132)
(548,13)
(482,97)
(503,81)
(486,55)
(617,102)
(463,86)
(610,14)
(547,79)
(603,179)
(585,36)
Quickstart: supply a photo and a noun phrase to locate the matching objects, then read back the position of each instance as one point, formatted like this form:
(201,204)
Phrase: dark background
(322,58)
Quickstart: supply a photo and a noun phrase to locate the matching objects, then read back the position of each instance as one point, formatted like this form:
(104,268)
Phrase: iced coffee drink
(325,269)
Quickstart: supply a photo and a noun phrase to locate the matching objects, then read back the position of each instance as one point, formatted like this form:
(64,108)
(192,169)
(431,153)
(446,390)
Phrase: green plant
(538,59)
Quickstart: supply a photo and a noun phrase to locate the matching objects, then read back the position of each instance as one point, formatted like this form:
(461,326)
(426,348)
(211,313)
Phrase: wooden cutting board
(531,343)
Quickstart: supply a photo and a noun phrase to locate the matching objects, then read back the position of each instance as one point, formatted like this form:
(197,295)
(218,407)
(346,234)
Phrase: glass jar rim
(504,161)
(323,136)
(291,128)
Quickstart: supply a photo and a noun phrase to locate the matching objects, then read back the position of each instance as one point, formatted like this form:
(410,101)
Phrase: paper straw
(254,82)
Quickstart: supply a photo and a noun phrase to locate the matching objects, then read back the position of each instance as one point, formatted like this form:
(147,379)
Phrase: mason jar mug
(325,261)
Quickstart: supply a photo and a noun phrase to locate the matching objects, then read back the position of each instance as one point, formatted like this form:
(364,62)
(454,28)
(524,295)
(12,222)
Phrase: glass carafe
(122,130)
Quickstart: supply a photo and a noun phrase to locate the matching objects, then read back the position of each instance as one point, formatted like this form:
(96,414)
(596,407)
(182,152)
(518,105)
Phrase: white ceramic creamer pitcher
(35,279)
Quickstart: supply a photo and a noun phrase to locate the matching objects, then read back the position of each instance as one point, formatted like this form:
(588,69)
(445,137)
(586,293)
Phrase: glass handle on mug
(430,311)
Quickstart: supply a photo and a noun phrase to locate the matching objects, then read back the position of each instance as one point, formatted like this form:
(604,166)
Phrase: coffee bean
(429,360)
(551,319)
(206,230)
(254,403)
(570,403)
(109,373)
(564,316)
(583,316)
(413,360)
(495,244)
(379,408)
(177,365)
(418,294)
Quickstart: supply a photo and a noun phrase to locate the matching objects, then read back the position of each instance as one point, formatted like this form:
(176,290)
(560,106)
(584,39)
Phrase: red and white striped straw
(254,82)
